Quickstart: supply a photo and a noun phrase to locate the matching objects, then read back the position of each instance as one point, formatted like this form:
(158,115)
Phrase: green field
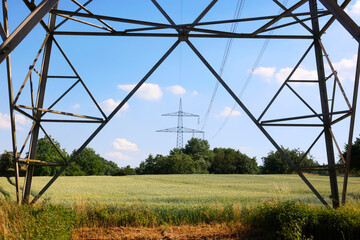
(183,190)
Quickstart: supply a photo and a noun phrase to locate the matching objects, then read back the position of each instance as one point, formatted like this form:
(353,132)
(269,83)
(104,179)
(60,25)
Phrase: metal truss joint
(183,35)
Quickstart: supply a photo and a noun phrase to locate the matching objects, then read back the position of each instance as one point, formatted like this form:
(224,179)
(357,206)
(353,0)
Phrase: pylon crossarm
(303,117)
(190,130)
(174,129)
(190,25)
(110,18)
(294,22)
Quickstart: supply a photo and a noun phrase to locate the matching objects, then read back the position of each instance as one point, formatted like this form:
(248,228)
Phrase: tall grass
(270,220)
(182,190)
(45,221)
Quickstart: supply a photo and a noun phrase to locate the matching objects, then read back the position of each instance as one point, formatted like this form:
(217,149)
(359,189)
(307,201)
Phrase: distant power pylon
(180,130)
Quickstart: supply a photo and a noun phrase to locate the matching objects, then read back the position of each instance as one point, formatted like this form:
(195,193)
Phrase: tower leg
(324,106)
(37,114)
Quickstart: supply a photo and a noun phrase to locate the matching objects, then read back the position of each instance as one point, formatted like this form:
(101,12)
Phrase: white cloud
(300,74)
(229,112)
(5,121)
(21,119)
(266,72)
(109,105)
(345,63)
(177,90)
(195,93)
(148,91)
(345,68)
(76,106)
(117,156)
(123,144)
(354,9)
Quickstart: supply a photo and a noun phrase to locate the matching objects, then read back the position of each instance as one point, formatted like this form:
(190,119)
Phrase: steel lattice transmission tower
(180,129)
(303,14)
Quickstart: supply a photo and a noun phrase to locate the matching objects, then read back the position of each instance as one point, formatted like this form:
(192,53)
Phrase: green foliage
(197,157)
(355,157)
(270,220)
(176,163)
(88,162)
(245,164)
(230,161)
(45,221)
(47,152)
(92,163)
(274,163)
(6,163)
(290,220)
(198,149)
(124,171)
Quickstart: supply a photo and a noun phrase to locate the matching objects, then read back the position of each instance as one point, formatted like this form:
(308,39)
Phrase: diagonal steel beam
(112,114)
(11,98)
(39,104)
(343,18)
(324,105)
(351,130)
(253,119)
(163,12)
(278,18)
(295,17)
(206,10)
(77,10)
(25,28)
(2,32)
(332,19)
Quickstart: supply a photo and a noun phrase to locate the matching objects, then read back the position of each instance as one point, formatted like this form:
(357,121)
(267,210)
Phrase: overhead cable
(251,73)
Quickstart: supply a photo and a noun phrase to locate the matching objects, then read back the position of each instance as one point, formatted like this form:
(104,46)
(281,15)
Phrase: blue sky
(111,66)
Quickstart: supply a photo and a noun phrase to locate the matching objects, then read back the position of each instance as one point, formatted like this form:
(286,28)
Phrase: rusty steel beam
(351,130)
(112,114)
(39,104)
(25,28)
(11,107)
(343,18)
(324,106)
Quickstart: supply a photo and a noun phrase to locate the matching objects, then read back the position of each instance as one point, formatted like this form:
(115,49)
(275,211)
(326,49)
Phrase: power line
(256,63)
(238,11)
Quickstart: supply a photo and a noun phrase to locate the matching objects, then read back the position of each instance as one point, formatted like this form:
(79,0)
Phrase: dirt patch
(205,231)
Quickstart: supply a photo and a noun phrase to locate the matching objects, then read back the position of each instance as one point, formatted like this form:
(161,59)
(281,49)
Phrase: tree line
(195,158)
